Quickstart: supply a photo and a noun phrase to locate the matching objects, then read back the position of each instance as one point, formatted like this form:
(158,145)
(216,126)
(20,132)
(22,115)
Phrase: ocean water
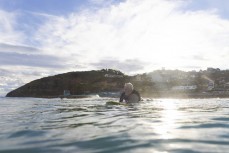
(89,126)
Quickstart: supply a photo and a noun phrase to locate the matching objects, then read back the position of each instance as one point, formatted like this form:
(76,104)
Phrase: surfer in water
(130,95)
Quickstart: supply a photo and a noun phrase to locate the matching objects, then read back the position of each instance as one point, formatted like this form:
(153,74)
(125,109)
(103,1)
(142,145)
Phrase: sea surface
(90,126)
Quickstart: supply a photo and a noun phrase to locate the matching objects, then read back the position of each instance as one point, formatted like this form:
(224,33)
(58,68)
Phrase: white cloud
(129,65)
(20,62)
(18,49)
(16,76)
(98,1)
(221,6)
(8,34)
(97,4)
(158,31)
(148,33)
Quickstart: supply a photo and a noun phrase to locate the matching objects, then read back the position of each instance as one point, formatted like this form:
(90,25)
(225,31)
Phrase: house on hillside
(226,85)
(113,76)
(184,88)
(211,85)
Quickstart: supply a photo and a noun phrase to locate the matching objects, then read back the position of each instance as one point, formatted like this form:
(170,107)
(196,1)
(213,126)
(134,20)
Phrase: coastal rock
(86,82)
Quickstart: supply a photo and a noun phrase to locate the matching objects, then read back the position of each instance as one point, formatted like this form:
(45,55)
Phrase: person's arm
(122,97)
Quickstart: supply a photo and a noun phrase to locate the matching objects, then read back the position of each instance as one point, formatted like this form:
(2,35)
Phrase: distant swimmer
(130,95)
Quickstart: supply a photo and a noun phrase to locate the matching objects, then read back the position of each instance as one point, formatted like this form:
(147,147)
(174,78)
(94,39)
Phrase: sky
(40,38)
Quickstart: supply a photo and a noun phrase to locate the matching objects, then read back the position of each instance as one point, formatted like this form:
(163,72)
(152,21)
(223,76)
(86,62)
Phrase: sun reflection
(169,116)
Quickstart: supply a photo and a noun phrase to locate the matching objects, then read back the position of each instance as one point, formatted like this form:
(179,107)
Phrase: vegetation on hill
(159,83)
(76,82)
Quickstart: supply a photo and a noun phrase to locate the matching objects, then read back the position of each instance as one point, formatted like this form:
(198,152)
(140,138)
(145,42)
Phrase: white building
(191,87)
(113,76)
(211,85)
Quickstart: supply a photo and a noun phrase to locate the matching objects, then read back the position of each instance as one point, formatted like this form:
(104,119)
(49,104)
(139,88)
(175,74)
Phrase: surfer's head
(128,88)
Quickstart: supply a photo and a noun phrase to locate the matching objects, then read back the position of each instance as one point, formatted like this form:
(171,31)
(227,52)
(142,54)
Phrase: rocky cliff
(76,82)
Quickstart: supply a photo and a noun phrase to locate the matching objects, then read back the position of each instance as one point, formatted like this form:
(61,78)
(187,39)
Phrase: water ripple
(89,125)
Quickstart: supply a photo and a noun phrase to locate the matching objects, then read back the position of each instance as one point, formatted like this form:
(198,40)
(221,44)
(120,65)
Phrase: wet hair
(129,86)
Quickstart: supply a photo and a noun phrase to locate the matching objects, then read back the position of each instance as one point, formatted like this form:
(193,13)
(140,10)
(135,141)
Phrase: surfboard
(115,103)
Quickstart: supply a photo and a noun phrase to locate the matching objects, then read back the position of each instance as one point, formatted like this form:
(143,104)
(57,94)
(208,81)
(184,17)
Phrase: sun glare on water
(169,116)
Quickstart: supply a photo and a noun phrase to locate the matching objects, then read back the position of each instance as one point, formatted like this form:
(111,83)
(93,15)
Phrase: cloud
(8,32)
(45,61)
(99,1)
(12,77)
(98,4)
(135,35)
(4,73)
(129,65)
(18,48)
(218,6)
(158,31)
(8,81)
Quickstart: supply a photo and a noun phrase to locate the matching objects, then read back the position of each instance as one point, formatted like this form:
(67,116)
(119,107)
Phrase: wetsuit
(127,98)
